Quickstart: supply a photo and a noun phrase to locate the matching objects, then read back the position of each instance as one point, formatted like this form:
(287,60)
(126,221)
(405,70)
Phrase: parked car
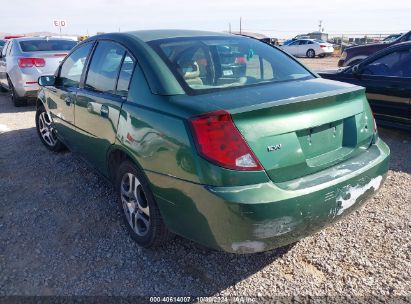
(391,38)
(386,76)
(241,164)
(23,60)
(354,55)
(309,48)
(2,42)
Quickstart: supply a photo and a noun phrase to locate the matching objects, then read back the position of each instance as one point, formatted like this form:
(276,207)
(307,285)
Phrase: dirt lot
(318,64)
(61,234)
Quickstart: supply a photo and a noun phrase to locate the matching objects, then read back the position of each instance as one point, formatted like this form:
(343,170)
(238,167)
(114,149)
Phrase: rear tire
(310,53)
(138,207)
(17,101)
(45,130)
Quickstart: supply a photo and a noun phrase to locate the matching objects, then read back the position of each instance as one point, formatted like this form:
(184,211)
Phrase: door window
(125,76)
(72,68)
(395,64)
(3,52)
(104,67)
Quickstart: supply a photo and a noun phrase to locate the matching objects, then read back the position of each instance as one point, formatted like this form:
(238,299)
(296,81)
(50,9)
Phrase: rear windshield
(46,45)
(204,64)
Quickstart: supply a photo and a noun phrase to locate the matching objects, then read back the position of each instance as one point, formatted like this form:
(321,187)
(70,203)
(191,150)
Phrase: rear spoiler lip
(297,99)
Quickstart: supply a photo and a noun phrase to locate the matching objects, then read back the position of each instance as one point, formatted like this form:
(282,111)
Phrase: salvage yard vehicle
(386,76)
(309,48)
(242,164)
(23,60)
(354,55)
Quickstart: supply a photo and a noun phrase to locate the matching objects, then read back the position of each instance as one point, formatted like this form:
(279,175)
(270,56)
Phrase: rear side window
(47,45)
(104,67)
(72,68)
(125,76)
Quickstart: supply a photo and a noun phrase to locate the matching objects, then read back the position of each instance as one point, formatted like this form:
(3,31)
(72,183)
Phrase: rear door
(3,66)
(99,102)
(388,83)
(61,98)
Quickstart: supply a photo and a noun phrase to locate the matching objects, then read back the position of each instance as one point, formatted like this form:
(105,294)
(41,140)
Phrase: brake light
(30,62)
(59,55)
(219,141)
(322,46)
(239,60)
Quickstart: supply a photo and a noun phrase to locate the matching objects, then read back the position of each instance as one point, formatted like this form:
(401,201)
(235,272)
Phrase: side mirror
(45,81)
(356,69)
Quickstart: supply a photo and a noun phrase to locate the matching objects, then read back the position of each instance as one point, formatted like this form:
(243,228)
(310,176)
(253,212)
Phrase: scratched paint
(351,195)
(248,246)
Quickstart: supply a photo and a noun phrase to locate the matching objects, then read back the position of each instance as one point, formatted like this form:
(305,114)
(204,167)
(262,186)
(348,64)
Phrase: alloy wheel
(135,205)
(46,129)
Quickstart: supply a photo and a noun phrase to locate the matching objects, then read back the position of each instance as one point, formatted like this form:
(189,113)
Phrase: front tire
(138,207)
(45,130)
(310,53)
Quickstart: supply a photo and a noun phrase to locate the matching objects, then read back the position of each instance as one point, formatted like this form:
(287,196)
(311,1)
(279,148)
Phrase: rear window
(204,64)
(46,45)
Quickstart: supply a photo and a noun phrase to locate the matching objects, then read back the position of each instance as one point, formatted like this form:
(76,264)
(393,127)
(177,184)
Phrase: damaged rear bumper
(261,217)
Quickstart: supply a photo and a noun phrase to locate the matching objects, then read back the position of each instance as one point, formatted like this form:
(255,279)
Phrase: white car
(309,48)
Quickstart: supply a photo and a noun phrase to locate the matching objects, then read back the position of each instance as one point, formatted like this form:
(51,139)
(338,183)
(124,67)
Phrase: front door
(99,102)
(61,98)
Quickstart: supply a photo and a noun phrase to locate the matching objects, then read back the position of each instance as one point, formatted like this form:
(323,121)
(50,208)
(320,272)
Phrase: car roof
(150,35)
(41,38)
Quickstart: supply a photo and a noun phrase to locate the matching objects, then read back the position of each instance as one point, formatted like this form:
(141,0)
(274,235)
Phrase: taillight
(239,60)
(30,62)
(322,46)
(219,141)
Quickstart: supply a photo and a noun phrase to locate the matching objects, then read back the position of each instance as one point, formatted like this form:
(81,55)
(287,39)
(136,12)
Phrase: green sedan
(221,139)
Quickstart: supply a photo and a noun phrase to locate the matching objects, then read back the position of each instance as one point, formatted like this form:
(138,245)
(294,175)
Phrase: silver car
(24,60)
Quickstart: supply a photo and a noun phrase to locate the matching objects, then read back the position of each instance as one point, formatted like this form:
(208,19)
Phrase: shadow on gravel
(8,107)
(62,233)
(399,142)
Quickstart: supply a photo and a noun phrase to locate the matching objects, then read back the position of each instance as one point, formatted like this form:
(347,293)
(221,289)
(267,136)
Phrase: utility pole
(320,26)
(229,27)
(240,26)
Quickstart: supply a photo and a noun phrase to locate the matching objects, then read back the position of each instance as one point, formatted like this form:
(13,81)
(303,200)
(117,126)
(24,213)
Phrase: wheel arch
(115,156)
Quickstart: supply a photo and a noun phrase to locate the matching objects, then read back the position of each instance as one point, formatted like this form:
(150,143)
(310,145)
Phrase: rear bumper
(25,82)
(261,217)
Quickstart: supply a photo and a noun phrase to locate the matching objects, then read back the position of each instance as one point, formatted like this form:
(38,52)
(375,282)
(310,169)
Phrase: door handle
(104,111)
(68,101)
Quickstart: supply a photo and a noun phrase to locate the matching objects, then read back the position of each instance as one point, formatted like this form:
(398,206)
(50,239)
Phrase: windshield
(203,64)
(47,45)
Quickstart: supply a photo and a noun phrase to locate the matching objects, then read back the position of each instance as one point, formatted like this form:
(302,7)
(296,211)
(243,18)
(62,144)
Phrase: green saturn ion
(221,139)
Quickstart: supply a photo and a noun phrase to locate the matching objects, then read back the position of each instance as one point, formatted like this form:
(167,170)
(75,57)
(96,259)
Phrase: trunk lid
(301,127)
(52,60)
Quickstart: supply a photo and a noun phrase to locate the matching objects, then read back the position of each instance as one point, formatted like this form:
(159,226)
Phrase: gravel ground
(61,234)
(318,64)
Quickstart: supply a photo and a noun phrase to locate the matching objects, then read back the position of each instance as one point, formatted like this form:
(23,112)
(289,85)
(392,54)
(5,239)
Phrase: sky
(281,19)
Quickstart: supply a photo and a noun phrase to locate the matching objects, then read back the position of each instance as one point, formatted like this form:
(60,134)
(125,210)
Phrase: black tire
(310,53)
(17,101)
(52,143)
(156,233)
